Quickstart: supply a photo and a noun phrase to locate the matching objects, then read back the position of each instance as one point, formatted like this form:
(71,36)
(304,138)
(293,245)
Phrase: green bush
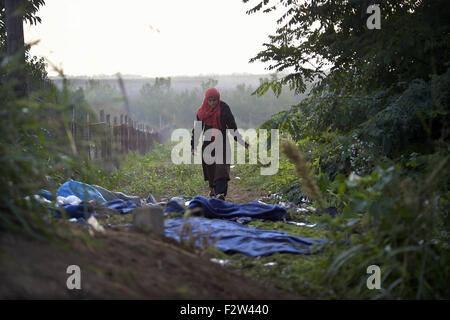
(397,223)
(37,149)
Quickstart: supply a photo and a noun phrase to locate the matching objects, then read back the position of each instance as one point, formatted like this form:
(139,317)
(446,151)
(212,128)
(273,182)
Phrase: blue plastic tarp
(82,190)
(233,237)
(82,210)
(120,206)
(216,208)
(175,205)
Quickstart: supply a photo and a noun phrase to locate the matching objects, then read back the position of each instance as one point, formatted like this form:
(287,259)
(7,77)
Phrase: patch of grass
(290,272)
(155,173)
(300,231)
(279,183)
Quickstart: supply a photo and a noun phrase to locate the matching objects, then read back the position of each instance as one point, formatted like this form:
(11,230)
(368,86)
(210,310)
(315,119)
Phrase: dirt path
(239,194)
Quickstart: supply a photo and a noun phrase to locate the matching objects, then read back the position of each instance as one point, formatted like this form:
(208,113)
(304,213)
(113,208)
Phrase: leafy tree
(35,68)
(378,115)
(29,9)
(210,83)
(317,35)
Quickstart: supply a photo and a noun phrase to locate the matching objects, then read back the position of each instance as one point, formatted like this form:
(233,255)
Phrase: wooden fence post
(125,134)
(108,137)
(87,136)
(122,139)
(103,139)
(73,126)
(115,147)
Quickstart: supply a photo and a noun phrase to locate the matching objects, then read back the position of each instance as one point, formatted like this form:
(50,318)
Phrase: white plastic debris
(353,177)
(301,224)
(74,200)
(95,225)
(220,261)
(41,199)
(238,178)
(270,264)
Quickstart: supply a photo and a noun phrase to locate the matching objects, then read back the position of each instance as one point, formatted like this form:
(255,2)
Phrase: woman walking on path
(216,114)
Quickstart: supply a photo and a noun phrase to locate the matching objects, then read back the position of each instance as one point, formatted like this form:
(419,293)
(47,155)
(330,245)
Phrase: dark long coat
(215,171)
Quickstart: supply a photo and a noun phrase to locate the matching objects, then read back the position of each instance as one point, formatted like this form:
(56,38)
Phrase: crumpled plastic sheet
(109,195)
(232,237)
(176,204)
(82,190)
(216,208)
(120,206)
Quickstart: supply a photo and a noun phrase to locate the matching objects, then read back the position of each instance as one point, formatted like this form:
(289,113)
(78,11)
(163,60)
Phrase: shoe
(221,196)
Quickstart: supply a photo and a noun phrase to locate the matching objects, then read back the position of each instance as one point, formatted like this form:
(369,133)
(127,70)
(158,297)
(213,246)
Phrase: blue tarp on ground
(216,208)
(234,237)
(86,193)
(120,206)
(82,190)
(82,210)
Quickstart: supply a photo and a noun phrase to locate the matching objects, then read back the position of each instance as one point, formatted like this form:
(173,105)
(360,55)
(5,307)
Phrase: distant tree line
(159,104)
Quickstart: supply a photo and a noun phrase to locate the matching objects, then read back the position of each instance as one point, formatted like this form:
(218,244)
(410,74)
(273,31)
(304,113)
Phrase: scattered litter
(353,177)
(238,178)
(220,261)
(113,226)
(286,205)
(275,196)
(73,200)
(301,224)
(94,224)
(46,194)
(231,167)
(39,198)
(175,204)
(150,199)
(242,220)
(270,264)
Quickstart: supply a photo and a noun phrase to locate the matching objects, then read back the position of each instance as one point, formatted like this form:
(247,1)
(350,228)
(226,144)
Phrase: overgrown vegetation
(155,174)
(372,136)
(37,151)
(36,146)
(375,128)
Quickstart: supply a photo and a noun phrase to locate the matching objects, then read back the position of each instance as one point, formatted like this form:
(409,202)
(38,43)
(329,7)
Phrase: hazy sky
(151,37)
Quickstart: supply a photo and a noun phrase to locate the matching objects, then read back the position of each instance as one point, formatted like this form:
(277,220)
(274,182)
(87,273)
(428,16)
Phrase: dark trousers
(221,186)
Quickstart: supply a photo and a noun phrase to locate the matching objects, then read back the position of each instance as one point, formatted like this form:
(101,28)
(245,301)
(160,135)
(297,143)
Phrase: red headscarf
(210,116)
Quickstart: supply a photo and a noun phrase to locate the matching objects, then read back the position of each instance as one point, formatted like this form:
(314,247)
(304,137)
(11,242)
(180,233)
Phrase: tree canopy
(29,8)
(317,36)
